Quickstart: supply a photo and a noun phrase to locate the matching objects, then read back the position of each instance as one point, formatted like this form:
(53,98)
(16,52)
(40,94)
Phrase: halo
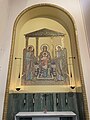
(31,47)
(43,46)
(58,46)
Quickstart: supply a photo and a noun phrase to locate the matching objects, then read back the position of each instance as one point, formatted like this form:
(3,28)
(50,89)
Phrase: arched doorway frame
(18,19)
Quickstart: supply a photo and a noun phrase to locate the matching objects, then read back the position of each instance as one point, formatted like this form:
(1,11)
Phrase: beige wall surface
(7,19)
(4,50)
(85,7)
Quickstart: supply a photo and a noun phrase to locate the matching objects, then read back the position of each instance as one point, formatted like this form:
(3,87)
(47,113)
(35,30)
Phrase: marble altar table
(46,115)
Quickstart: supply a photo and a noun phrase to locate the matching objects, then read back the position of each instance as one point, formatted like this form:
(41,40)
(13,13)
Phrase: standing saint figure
(44,62)
(29,63)
(61,62)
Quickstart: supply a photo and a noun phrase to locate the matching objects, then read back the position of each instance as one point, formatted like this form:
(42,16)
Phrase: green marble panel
(38,105)
(62,102)
(49,101)
(80,104)
(30,104)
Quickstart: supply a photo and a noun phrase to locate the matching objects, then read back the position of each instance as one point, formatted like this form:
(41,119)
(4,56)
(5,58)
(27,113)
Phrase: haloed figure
(30,63)
(44,60)
(61,63)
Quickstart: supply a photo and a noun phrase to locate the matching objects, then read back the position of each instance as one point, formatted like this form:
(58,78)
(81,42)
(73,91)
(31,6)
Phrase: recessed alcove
(52,93)
(52,42)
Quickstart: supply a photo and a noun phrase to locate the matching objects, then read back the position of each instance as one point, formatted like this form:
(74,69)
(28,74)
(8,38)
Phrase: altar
(63,115)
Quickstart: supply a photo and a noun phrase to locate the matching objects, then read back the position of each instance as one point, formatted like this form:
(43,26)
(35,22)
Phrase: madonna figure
(44,62)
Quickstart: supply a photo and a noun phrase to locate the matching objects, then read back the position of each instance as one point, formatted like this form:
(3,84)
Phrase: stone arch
(66,20)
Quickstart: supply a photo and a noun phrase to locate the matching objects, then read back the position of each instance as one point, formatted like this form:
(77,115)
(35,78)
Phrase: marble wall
(45,101)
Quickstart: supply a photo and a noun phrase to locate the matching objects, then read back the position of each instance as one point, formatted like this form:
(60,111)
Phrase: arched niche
(62,17)
(55,14)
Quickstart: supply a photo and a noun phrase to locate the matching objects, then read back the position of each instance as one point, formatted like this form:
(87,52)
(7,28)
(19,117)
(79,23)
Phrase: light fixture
(18,88)
(72,87)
